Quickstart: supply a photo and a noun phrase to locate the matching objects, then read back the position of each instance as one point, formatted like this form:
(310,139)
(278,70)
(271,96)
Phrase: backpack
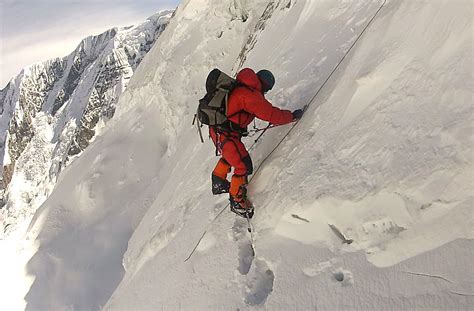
(212,108)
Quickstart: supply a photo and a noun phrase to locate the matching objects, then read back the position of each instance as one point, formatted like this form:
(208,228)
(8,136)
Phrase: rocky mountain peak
(49,112)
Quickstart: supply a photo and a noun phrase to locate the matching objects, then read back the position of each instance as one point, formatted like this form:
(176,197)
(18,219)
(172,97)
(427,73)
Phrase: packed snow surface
(383,156)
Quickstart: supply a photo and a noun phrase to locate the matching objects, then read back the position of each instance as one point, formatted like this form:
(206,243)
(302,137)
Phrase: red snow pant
(233,154)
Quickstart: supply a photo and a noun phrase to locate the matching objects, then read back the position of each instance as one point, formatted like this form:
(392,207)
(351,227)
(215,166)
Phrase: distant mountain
(51,111)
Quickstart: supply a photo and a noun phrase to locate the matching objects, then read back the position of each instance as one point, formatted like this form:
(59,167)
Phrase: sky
(38,30)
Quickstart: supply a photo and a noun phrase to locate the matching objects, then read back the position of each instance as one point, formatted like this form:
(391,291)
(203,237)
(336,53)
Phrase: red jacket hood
(248,77)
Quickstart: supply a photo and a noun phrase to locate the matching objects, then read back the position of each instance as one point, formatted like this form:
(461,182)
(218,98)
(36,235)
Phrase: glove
(297,114)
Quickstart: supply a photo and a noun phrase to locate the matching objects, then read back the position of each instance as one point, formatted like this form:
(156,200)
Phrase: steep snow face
(52,110)
(387,153)
(383,154)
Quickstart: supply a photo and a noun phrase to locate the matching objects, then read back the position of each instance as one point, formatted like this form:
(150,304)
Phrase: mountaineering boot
(239,203)
(219,185)
(242,208)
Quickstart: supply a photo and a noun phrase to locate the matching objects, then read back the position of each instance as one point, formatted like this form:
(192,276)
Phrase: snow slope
(383,153)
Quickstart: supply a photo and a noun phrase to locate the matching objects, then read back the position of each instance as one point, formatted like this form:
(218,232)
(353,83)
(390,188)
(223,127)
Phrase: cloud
(32,31)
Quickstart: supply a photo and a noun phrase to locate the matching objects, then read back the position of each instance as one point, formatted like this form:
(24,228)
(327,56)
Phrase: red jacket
(247,102)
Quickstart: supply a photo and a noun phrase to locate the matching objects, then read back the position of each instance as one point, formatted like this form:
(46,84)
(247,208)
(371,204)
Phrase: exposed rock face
(51,110)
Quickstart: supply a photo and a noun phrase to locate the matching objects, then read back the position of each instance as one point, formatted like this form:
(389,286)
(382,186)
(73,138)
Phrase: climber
(245,102)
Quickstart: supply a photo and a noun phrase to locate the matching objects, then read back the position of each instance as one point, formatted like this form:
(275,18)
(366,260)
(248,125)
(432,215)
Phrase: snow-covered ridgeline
(384,154)
(52,110)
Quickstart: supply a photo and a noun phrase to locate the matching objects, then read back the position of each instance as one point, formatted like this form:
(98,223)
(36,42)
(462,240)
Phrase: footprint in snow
(259,277)
(246,254)
(260,283)
(343,276)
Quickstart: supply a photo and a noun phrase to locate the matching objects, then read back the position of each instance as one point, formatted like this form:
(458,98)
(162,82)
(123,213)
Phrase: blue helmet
(267,79)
